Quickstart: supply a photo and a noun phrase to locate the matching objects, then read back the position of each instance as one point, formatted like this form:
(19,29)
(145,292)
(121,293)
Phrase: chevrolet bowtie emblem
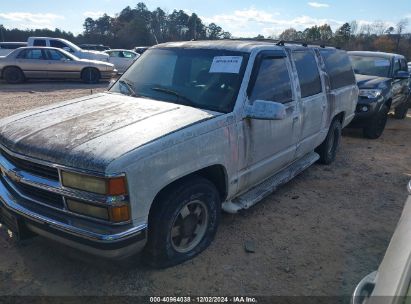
(13,176)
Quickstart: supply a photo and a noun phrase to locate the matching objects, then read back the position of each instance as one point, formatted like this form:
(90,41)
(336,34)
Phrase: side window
(31,54)
(397,66)
(56,55)
(128,55)
(338,67)
(403,65)
(58,44)
(39,42)
(114,54)
(273,81)
(308,74)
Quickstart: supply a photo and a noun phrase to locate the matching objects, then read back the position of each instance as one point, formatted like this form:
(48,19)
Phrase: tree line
(376,36)
(139,26)
(131,27)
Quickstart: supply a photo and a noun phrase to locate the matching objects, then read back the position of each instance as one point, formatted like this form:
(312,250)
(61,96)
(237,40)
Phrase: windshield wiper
(186,101)
(129,87)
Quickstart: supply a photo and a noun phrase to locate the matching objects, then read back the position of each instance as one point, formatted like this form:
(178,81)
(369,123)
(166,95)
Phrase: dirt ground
(317,235)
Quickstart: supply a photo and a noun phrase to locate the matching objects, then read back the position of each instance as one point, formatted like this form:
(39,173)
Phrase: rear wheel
(90,75)
(13,75)
(182,223)
(401,111)
(328,149)
(377,125)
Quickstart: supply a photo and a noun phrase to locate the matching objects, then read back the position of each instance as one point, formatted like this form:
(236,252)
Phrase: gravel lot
(318,235)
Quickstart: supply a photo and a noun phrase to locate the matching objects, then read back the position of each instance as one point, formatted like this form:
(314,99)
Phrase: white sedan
(122,59)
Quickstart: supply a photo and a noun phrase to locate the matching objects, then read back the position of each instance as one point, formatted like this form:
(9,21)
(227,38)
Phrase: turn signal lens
(117,186)
(119,213)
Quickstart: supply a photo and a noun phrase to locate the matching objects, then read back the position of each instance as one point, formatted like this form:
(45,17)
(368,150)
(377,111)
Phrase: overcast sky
(240,17)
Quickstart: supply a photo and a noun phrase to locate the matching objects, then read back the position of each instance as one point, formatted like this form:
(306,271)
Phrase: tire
(328,149)
(13,75)
(190,206)
(90,75)
(377,125)
(402,110)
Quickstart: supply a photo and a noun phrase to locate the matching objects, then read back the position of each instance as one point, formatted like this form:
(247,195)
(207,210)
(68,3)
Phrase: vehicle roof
(375,54)
(45,48)
(13,43)
(35,37)
(234,45)
(120,50)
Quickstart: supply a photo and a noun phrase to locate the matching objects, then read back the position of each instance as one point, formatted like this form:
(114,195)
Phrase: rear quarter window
(308,73)
(338,67)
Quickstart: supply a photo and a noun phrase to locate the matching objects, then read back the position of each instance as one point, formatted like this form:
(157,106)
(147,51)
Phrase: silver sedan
(51,63)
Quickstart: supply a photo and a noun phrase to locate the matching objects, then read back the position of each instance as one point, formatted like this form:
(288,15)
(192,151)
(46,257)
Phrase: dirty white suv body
(157,146)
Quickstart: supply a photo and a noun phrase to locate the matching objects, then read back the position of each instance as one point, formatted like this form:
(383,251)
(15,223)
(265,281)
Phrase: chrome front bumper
(111,241)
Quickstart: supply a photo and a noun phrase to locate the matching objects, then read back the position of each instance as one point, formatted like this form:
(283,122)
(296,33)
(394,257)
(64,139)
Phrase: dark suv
(383,82)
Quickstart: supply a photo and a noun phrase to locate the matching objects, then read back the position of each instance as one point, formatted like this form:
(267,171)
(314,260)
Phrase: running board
(268,186)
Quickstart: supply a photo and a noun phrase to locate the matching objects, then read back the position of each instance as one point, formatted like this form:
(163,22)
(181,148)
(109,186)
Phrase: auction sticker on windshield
(226,64)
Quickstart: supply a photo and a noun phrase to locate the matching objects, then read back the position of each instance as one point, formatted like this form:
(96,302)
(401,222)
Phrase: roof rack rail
(303,43)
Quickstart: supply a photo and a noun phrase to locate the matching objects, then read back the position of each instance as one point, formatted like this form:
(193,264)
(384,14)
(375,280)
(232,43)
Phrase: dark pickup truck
(383,82)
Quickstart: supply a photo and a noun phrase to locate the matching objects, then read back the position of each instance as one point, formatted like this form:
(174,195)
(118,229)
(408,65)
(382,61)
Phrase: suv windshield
(371,65)
(201,78)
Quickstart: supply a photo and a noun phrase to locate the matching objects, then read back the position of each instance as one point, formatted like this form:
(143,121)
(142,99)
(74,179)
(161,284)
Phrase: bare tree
(400,27)
(354,27)
(378,27)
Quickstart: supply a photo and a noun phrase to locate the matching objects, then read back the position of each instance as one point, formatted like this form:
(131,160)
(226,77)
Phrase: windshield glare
(373,66)
(202,78)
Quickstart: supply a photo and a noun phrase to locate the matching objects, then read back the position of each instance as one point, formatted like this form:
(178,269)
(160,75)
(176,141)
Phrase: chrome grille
(31,167)
(41,196)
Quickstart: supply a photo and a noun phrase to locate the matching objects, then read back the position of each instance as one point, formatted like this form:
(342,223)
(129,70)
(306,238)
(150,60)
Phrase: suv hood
(90,132)
(370,82)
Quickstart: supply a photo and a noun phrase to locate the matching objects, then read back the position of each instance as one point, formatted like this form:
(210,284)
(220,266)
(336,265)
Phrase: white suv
(67,46)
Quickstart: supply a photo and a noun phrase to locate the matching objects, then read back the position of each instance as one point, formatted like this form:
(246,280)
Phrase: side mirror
(402,75)
(265,110)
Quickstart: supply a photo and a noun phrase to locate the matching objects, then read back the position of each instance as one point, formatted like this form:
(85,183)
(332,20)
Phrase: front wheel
(328,149)
(183,222)
(376,126)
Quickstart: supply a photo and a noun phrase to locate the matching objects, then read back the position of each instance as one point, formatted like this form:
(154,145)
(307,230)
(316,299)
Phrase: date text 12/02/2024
(239,299)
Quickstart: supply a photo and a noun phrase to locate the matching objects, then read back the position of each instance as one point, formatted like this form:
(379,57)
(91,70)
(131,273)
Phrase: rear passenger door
(33,63)
(312,98)
(269,145)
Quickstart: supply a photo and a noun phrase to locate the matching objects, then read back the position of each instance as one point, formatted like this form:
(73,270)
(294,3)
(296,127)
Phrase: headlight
(374,93)
(100,185)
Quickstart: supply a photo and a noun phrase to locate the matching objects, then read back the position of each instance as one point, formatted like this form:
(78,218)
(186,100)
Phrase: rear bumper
(105,241)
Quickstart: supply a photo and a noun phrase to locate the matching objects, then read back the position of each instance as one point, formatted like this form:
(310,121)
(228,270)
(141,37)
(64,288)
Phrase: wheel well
(215,174)
(340,116)
(10,66)
(94,68)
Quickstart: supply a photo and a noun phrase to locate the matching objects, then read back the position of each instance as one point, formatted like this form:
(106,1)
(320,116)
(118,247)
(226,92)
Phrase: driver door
(269,145)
